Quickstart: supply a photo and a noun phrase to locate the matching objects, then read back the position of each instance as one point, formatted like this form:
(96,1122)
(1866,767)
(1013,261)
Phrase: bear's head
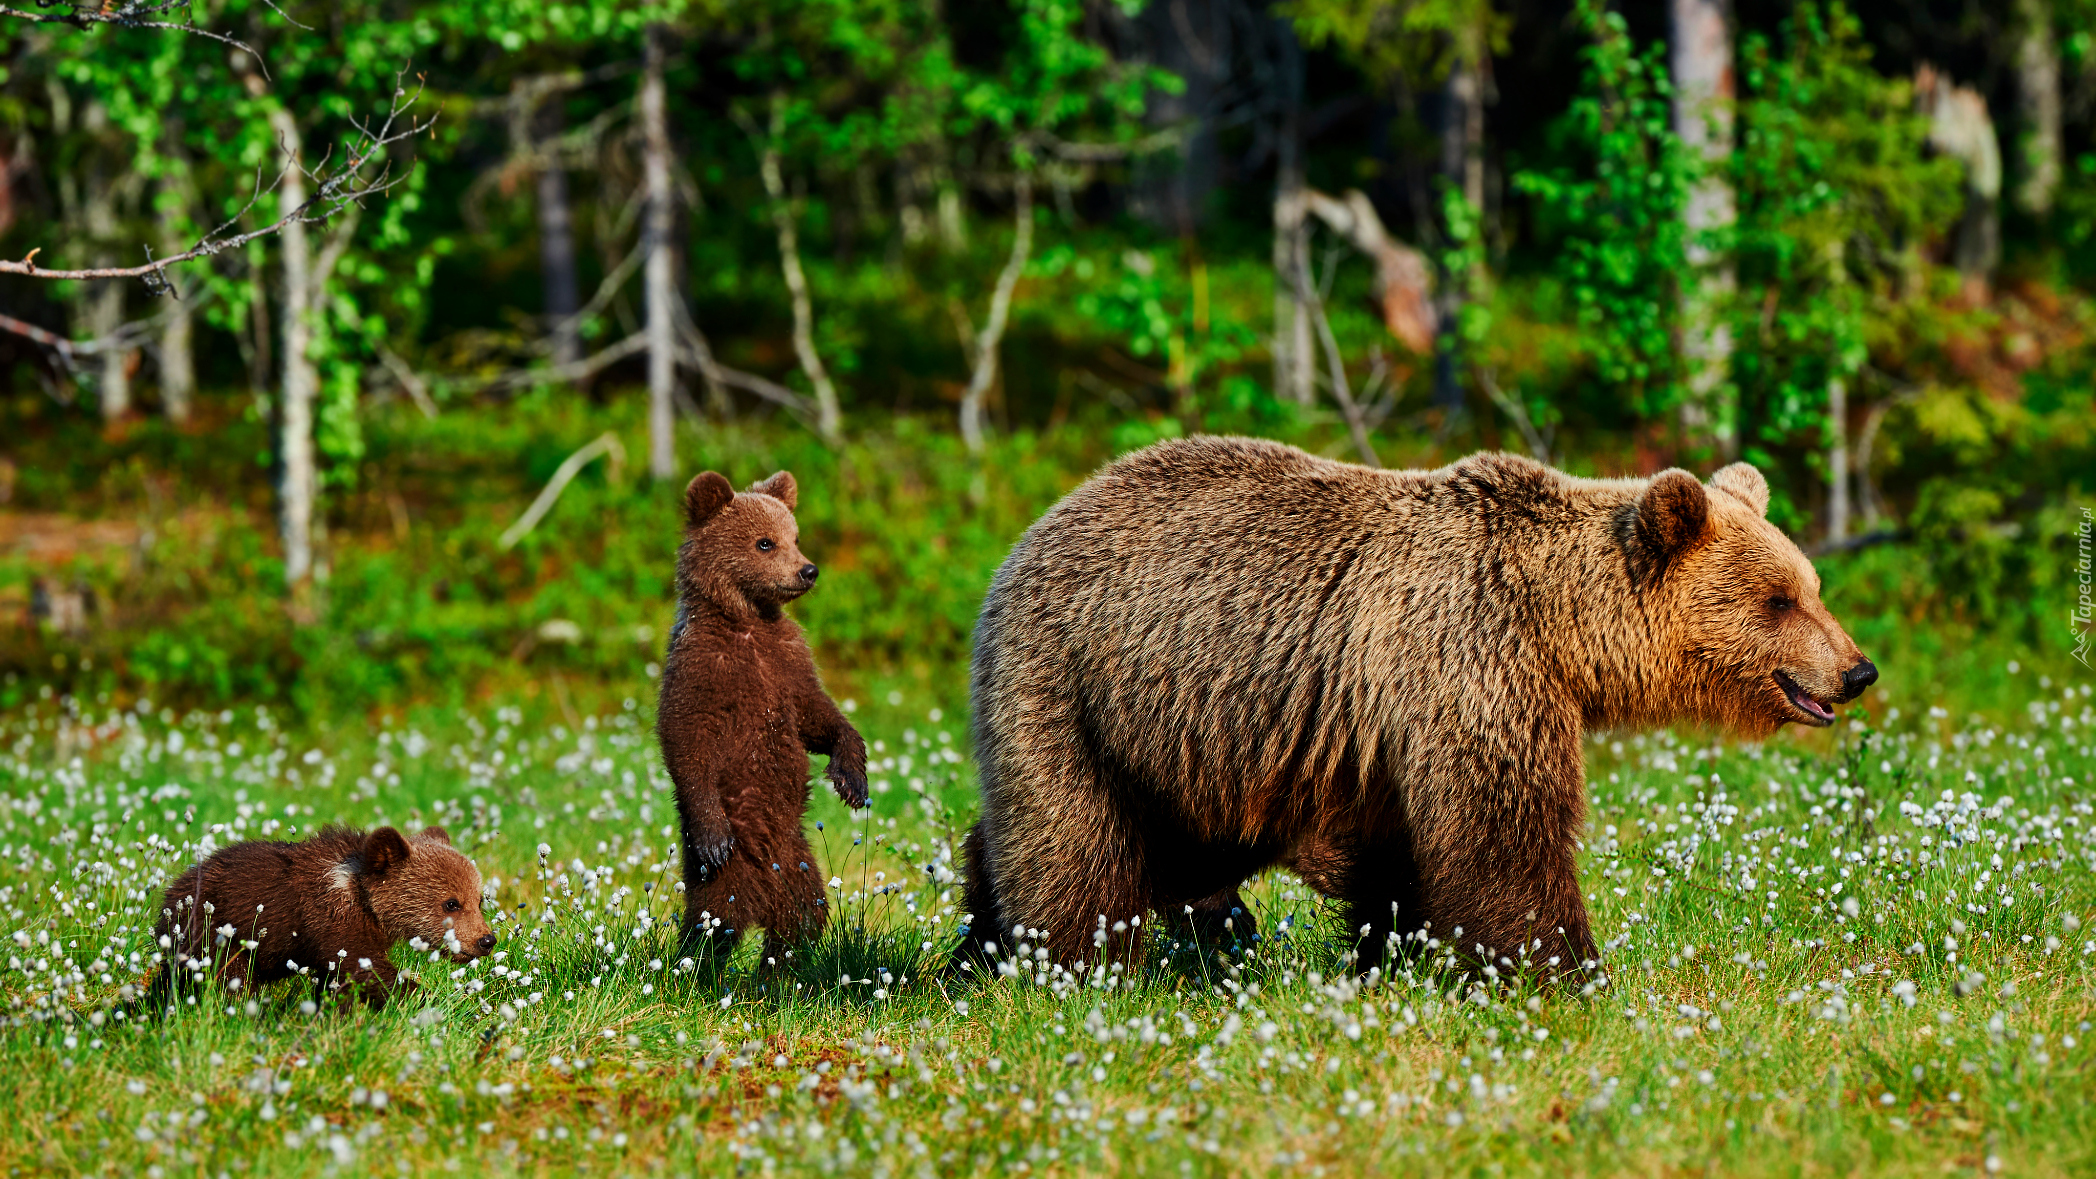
(1747,643)
(424,888)
(742,552)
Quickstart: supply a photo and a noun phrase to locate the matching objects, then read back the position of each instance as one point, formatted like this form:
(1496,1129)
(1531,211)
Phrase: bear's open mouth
(1816,714)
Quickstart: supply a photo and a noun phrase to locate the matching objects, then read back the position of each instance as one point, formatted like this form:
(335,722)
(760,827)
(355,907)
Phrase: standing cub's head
(1752,646)
(742,552)
(424,888)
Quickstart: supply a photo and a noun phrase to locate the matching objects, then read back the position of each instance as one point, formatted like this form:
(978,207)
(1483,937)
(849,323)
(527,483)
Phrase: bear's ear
(437,833)
(1673,513)
(384,850)
(705,496)
(1746,484)
(780,487)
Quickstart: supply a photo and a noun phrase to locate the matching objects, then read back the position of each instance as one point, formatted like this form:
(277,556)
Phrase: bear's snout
(486,943)
(1857,678)
(808,573)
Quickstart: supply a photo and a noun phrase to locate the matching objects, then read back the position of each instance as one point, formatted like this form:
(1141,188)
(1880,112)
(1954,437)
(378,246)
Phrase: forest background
(942,260)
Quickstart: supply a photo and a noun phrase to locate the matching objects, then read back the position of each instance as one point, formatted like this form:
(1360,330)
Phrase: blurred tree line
(1853,242)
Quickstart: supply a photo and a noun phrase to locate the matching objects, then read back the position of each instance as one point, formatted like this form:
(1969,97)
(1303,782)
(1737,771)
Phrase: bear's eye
(766,545)
(1781,604)
(452,906)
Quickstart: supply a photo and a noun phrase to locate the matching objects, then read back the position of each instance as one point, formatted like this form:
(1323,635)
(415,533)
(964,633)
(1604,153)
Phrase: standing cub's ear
(437,833)
(1745,483)
(780,487)
(705,496)
(384,850)
(1673,513)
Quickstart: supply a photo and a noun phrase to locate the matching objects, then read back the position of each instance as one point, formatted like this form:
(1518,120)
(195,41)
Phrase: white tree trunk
(828,416)
(659,280)
(1837,461)
(1701,63)
(1294,364)
(301,382)
(113,380)
(2038,101)
(557,260)
(992,336)
(177,358)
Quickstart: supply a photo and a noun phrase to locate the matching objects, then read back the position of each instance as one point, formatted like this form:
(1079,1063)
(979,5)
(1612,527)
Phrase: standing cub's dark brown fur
(741,709)
(1222,654)
(328,908)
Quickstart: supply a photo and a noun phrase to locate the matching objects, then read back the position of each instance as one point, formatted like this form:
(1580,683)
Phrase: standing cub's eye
(1780,604)
(766,545)
(452,906)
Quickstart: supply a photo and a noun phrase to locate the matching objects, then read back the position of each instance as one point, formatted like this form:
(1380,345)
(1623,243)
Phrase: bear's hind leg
(986,922)
(1379,884)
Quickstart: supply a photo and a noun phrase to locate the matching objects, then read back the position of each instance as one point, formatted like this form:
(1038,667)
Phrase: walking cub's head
(742,552)
(424,888)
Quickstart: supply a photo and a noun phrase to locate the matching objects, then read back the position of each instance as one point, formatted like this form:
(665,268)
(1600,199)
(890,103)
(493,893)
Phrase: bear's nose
(808,573)
(1857,678)
(486,942)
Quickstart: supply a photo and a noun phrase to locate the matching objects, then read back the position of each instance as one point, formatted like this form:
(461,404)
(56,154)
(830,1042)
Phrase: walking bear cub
(329,907)
(741,709)
(1221,654)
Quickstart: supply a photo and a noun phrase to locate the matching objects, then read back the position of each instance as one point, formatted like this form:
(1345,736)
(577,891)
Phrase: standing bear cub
(741,709)
(328,908)
(1221,654)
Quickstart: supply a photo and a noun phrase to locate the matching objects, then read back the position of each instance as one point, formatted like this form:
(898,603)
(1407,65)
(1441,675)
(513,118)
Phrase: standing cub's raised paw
(847,772)
(741,710)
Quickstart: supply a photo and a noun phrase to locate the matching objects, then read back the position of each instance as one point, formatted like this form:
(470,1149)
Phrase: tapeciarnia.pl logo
(2084,611)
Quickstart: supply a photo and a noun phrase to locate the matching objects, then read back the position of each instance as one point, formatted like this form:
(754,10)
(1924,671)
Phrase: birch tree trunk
(659,281)
(1703,101)
(2038,102)
(1463,164)
(105,305)
(557,247)
(299,478)
(828,416)
(1837,461)
(1295,370)
(986,344)
(177,358)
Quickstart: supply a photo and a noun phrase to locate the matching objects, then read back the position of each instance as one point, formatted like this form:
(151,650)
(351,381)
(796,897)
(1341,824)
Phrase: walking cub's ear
(705,496)
(780,487)
(384,850)
(1673,513)
(1744,483)
(436,833)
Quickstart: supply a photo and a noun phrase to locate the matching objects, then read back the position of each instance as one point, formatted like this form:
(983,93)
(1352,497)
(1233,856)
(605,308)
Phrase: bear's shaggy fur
(741,708)
(1222,654)
(328,908)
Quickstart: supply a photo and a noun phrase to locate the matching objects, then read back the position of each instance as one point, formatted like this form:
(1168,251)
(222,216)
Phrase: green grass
(1783,991)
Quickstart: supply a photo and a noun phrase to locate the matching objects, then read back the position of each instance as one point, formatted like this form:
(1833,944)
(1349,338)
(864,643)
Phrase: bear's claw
(850,786)
(709,856)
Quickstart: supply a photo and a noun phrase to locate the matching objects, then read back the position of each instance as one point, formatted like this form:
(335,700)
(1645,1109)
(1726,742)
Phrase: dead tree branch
(986,344)
(335,189)
(137,14)
(828,416)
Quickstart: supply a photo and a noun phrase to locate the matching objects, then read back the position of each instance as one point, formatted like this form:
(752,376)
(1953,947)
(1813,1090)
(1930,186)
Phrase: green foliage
(1836,194)
(1616,216)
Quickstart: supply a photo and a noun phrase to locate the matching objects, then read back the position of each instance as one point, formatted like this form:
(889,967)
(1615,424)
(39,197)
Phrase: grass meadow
(1863,949)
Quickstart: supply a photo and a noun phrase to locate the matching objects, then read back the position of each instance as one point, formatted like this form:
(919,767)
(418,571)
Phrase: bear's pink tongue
(1804,700)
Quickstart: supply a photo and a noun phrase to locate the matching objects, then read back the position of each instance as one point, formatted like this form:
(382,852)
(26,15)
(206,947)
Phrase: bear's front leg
(708,839)
(1495,850)
(824,730)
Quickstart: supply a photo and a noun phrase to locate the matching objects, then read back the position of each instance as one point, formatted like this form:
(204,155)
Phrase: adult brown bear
(1222,654)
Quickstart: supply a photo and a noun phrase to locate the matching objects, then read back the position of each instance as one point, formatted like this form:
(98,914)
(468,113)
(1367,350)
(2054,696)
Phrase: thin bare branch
(334,191)
(134,15)
(984,360)
(558,373)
